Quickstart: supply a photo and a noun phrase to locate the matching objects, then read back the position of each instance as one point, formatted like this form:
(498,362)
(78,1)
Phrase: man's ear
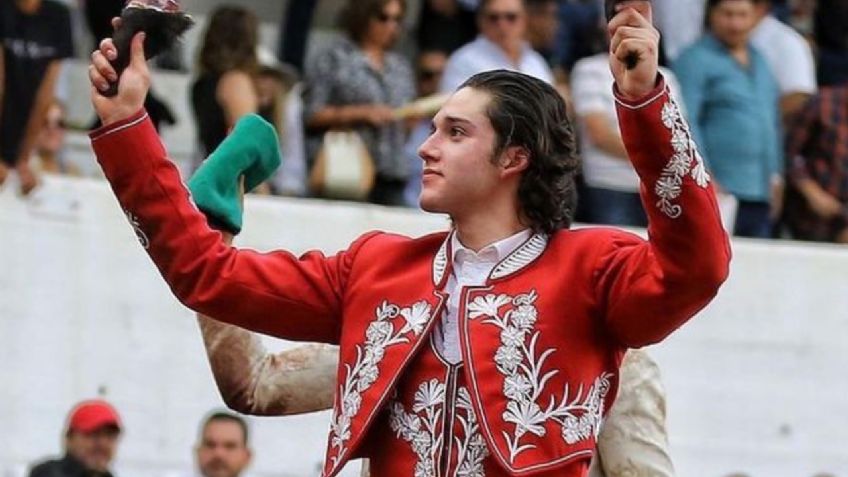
(515,160)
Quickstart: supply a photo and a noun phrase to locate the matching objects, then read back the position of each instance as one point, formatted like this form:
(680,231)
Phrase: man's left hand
(632,33)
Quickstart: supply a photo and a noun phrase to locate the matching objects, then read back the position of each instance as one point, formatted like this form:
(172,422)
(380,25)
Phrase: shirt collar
(491,253)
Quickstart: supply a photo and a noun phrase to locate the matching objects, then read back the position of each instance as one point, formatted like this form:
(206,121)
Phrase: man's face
(96,449)
(504,22)
(459,175)
(542,25)
(431,65)
(731,21)
(222,451)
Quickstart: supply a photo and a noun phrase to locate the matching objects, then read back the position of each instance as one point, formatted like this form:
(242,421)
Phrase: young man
(551,311)
(91,441)
(222,449)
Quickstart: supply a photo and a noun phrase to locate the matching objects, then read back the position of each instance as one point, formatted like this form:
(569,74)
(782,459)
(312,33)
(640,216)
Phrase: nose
(428,151)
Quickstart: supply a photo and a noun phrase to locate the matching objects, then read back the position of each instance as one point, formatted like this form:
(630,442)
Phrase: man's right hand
(132,85)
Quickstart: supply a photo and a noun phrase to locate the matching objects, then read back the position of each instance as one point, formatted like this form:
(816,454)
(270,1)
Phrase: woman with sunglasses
(356,83)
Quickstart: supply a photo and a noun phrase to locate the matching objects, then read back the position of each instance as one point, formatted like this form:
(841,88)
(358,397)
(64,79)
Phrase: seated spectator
(817,152)
(91,441)
(222,447)
(732,100)
(356,83)
(225,89)
(36,37)
(502,44)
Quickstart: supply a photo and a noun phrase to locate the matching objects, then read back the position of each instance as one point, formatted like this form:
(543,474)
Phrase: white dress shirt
(470,268)
(483,55)
(788,54)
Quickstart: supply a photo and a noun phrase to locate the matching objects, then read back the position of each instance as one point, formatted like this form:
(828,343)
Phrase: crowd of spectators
(763,85)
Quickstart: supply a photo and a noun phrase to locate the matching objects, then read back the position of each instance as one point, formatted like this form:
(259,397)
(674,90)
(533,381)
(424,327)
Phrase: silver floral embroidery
(579,414)
(686,160)
(379,335)
(421,427)
(136,225)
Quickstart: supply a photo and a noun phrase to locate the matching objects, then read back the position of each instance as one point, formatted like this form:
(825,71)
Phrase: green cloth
(251,150)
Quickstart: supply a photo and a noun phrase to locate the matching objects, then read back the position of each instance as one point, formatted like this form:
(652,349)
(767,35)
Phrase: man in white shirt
(681,23)
(502,44)
(790,58)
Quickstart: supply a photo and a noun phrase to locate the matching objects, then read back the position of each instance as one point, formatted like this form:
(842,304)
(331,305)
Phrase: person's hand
(778,191)
(132,86)
(27,178)
(4,173)
(823,204)
(632,32)
(377,115)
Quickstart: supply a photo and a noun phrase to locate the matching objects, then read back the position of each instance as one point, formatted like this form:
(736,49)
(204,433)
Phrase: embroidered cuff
(129,122)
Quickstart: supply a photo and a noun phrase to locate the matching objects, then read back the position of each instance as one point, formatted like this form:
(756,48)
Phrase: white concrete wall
(757,383)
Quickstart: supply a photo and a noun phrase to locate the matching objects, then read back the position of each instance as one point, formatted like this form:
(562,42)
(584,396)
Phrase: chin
(428,203)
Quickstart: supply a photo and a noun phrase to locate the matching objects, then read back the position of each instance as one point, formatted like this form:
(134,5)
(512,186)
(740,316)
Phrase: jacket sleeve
(650,288)
(253,381)
(272,293)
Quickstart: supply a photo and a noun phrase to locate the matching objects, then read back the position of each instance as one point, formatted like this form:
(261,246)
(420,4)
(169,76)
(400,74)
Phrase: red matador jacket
(541,341)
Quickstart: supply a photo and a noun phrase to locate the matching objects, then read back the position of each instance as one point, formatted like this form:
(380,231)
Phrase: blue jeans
(752,220)
(612,207)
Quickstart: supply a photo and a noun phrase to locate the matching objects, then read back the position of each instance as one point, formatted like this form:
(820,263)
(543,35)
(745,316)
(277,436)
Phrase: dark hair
(356,16)
(230,41)
(224,416)
(529,113)
(710,5)
(481,6)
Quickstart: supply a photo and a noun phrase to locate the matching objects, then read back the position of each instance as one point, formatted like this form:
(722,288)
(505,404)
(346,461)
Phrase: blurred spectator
(91,441)
(36,36)
(280,103)
(99,15)
(578,36)
(732,99)
(428,73)
(830,30)
(681,23)
(225,88)
(817,149)
(543,26)
(501,45)
(611,195)
(446,25)
(294,32)
(356,82)
(223,449)
(51,141)
(789,57)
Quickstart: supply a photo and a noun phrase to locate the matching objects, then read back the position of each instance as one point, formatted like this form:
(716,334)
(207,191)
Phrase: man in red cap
(91,440)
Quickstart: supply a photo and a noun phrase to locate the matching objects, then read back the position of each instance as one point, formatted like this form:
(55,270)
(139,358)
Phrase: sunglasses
(427,75)
(384,17)
(495,17)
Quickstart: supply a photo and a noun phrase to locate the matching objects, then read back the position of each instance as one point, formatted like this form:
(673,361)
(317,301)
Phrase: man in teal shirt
(733,103)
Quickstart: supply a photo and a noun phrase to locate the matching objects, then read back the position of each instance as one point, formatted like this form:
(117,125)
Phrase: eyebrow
(455,120)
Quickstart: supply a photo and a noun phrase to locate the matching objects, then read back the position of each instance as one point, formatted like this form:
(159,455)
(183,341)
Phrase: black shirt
(30,44)
(208,114)
(65,467)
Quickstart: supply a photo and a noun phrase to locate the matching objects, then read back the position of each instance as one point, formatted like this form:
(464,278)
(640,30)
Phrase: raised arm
(275,293)
(648,289)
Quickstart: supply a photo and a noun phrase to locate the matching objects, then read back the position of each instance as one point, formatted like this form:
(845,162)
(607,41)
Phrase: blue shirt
(734,114)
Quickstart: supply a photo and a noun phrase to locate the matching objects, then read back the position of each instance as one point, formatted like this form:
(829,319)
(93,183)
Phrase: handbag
(343,169)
